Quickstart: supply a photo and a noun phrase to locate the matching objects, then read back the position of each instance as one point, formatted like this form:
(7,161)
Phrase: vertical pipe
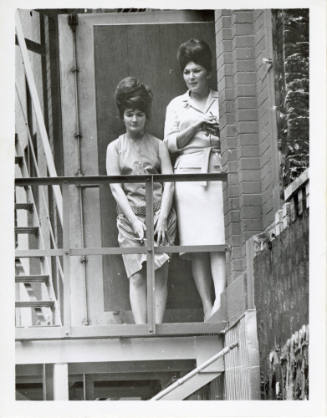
(66,246)
(150,255)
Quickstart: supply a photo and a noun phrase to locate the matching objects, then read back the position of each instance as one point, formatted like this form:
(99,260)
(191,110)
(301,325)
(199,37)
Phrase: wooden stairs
(36,303)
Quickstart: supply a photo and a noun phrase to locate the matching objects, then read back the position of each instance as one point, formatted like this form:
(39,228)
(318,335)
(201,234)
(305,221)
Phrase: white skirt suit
(199,205)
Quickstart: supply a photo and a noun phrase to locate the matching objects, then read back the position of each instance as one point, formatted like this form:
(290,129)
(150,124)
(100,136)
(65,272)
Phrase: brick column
(224,47)
(235,40)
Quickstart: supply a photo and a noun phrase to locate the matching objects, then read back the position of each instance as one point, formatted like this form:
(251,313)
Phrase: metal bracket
(73,21)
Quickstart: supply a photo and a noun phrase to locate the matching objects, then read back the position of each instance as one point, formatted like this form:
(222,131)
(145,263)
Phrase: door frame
(85,309)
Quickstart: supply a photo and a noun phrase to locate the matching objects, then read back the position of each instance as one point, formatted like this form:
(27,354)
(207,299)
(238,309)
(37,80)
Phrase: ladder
(36,303)
(37,298)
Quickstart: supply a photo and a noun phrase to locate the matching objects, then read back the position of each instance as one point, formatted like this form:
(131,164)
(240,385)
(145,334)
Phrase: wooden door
(110,47)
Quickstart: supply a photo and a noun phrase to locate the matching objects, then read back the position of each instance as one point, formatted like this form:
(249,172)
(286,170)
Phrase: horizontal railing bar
(89,180)
(191,249)
(38,253)
(120,330)
(108,250)
(120,250)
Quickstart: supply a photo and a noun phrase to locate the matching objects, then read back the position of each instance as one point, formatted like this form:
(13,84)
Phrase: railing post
(66,246)
(150,255)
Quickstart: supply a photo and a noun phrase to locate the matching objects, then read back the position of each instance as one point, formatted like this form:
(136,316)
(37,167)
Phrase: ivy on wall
(288,370)
(291,63)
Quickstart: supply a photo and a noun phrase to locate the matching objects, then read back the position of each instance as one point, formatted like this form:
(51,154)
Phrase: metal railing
(149,249)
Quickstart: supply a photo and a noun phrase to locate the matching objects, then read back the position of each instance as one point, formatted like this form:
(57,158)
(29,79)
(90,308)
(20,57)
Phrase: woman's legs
(202,279)
(161,292)
(217,264)
(137,296)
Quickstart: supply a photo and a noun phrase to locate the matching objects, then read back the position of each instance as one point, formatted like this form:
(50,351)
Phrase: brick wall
(281,290)
(248,127)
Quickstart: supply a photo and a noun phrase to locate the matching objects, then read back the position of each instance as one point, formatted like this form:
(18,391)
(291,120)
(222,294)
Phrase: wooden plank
(32,46)
(163,17)
(27,230)
(252,346)
(66,244)
(60,382)
(120,330)
(38,112)
(105,349)
(34,304)
(250,254)
(236,298)
(24,206)
(109,368)
(219,316)
(38,278)
(296,184)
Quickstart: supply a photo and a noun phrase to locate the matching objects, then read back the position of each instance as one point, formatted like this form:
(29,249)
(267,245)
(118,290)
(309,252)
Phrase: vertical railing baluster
(66,246)
(44,383)
(150,255)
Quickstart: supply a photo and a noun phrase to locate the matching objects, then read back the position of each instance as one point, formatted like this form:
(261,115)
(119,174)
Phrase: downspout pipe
(192,373)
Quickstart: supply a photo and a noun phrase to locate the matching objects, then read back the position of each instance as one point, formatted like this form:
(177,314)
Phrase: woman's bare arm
(167,196)
(119,194)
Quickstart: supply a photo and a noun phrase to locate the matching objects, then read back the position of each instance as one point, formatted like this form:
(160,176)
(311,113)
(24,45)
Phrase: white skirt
(200,212)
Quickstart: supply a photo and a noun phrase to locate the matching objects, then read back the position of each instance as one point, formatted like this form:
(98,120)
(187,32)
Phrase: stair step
(24,206)
(27,230)
(35,278)
(35,304)
(19,160)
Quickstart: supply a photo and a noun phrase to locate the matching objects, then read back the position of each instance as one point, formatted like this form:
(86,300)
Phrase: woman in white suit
(192,132)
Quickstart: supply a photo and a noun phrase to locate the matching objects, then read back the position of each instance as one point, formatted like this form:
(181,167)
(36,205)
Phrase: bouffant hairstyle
(132,94)
(194,50)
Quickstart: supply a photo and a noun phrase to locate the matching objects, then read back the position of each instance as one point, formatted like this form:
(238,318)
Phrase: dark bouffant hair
(194,50)
(132,94)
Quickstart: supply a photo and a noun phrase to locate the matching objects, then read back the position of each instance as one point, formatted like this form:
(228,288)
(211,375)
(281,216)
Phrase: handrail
(143,178)
(194,372)
(38,113)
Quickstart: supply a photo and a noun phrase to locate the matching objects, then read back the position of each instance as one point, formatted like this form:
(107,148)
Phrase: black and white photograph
(167,213)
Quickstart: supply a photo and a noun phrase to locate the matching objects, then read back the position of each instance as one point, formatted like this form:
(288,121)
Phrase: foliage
(291,48)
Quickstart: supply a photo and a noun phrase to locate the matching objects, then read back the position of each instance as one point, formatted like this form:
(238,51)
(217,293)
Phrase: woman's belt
(204,159)
(141,210)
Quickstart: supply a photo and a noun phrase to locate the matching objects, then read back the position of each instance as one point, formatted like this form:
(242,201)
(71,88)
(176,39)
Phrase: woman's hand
(160,231)
(205,121)
(139,229)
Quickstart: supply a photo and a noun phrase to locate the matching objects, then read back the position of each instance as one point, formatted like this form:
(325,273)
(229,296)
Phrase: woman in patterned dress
(138,152)
(192,132)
